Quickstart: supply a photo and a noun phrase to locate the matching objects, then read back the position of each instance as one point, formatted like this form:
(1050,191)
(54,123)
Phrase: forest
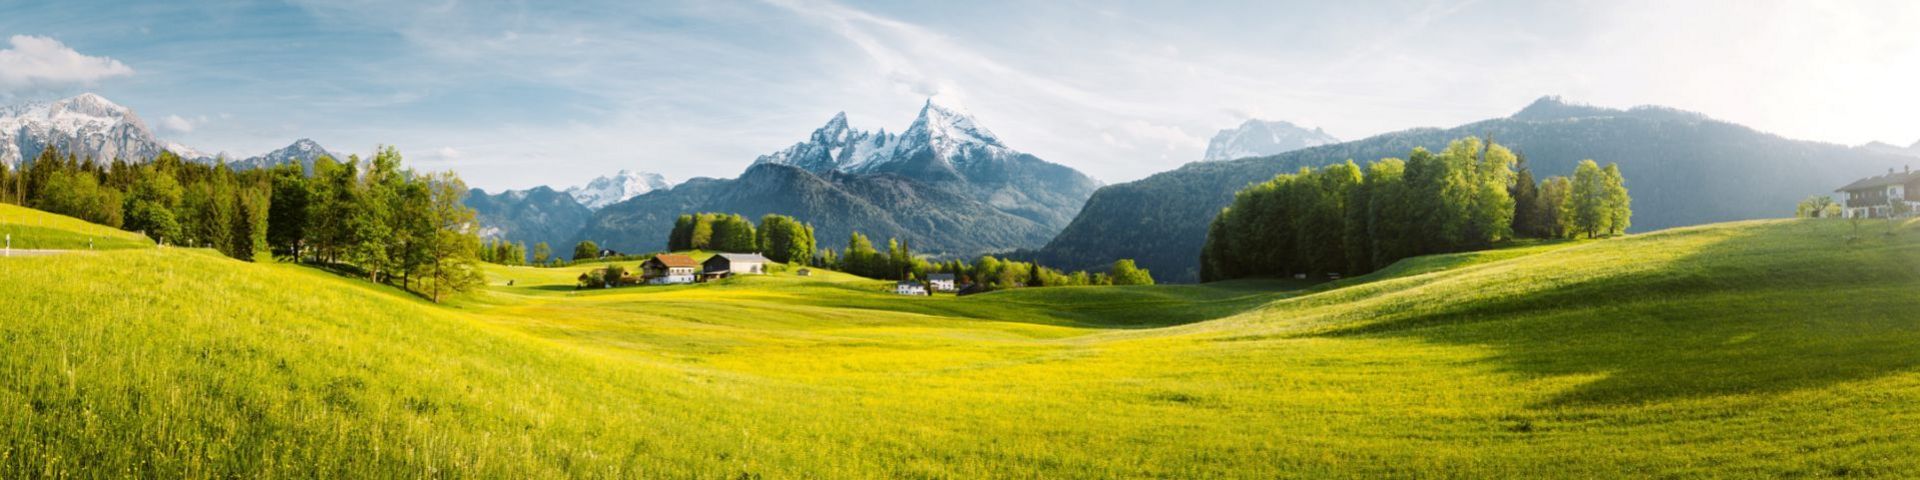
(374,218)
(1347,220)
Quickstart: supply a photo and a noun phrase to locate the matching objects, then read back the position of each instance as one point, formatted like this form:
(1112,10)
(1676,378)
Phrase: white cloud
(179,124)
(447,153)
(41,63)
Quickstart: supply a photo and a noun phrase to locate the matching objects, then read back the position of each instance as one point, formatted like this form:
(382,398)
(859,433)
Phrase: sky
(517,94)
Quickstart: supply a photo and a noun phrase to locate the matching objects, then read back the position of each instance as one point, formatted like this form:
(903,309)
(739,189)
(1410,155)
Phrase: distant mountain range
(1683,168)
(946,185)
(90,126)
(1259,138)
(1912,151)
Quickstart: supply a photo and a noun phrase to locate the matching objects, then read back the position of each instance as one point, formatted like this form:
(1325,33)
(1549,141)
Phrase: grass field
(1772,348)
(31,229)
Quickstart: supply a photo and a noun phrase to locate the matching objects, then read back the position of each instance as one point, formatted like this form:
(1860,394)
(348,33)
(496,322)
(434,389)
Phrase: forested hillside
(1684,169)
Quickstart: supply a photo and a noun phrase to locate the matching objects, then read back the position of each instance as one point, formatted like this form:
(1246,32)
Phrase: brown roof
(1891,178)
(675,261)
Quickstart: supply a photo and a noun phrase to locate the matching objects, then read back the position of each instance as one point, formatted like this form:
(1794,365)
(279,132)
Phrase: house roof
(675,261)
(1891,178)
(907,283)
(940,276)
(741,257)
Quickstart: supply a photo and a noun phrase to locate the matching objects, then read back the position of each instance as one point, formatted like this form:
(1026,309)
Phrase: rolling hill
(1751,349)
(1683,169)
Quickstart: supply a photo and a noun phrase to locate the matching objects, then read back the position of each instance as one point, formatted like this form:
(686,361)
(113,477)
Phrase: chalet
(805,272)
(909,287)
(667,268)
(724,265)
(1876,197)
(941,282)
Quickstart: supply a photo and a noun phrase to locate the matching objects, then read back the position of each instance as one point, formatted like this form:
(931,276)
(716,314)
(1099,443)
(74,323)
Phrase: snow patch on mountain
(618,188)
(1259,138)
(951,136)
(86,125)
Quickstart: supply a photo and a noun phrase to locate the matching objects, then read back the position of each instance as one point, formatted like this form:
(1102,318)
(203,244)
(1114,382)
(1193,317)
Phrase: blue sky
(515,94)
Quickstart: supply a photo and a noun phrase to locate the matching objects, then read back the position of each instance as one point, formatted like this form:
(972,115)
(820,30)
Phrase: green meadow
(1752,349)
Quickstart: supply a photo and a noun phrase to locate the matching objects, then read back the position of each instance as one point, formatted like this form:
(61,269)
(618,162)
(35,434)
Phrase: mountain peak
(1259,138)
(1555,107)
(617,188)
(943,122)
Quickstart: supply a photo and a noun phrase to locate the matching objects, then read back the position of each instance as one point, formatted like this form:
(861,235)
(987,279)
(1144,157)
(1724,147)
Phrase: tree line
(388,223)
(1343,219)
(778,237)
(988,273)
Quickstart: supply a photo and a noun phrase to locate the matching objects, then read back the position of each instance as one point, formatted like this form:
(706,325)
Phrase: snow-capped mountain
(621,186)
(1259,138)
(86,125)
(941,143)
(945,184)
(303,151)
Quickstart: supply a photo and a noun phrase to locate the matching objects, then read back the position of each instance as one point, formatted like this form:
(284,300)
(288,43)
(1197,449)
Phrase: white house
(1893,194)
(941,282)
(909,287)
(667,268)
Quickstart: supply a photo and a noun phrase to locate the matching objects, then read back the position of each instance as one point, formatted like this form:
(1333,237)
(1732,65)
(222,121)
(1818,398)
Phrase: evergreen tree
(1526,202)
(287,210)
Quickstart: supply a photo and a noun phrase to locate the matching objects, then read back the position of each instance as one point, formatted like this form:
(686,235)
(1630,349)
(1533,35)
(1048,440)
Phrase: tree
(783,239)
(542,253)
(700,237)
(613,275)
(287,210)
(585,250)
(1526,201)
(1591,214)
(1126,273)
(1556,207)
(453,265)
(1813,207)
(250,226)
(1619,204)
(681,238)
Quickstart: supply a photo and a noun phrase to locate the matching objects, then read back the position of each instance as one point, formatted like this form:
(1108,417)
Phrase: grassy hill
(36,230)
(1768,348)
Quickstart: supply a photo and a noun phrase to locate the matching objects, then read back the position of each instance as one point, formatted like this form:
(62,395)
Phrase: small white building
(942,282)
(909,287)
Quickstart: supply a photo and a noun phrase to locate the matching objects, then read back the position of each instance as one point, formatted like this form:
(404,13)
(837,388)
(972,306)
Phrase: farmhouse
(667,268)
(909,287)
(725,265)
(941,282)
(1877,197)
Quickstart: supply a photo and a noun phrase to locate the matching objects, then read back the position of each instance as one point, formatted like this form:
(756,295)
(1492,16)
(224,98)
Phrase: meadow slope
(1770,348)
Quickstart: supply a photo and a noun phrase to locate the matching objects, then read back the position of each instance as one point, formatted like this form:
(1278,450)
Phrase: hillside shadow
(1788,307)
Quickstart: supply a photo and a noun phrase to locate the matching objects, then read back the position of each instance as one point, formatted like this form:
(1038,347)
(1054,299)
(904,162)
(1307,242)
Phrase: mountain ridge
(1742,173)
